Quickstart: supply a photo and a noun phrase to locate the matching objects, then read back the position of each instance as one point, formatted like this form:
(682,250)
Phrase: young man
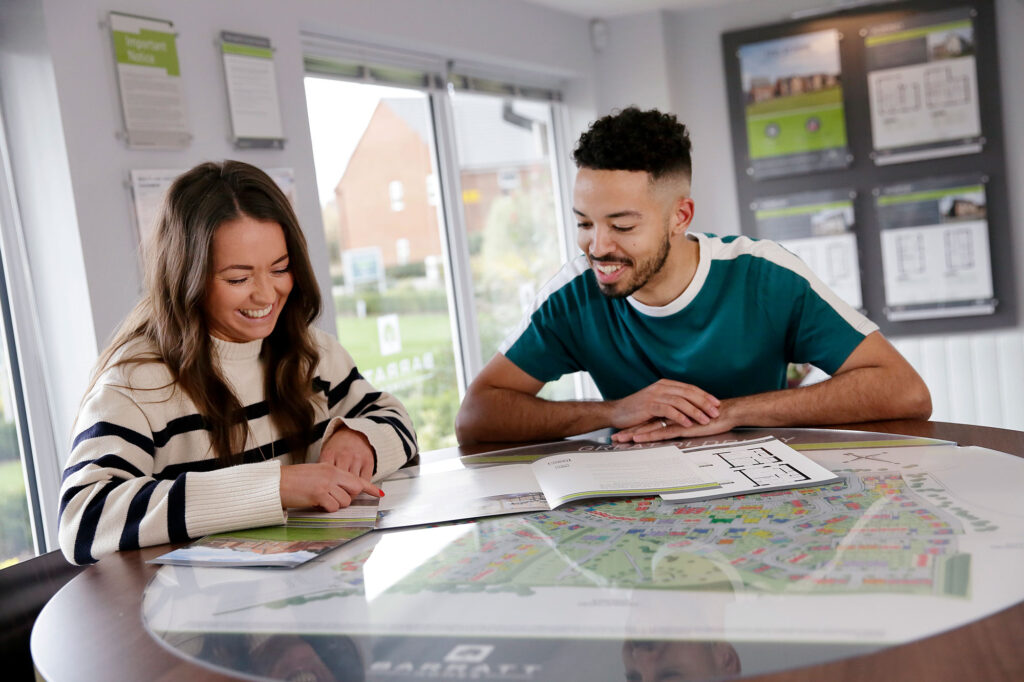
(684,334)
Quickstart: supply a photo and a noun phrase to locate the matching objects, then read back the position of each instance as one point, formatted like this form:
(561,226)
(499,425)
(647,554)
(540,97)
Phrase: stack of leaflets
(304,536)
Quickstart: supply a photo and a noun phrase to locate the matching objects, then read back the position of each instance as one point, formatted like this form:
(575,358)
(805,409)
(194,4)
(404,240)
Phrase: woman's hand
(321,485)
(349,450)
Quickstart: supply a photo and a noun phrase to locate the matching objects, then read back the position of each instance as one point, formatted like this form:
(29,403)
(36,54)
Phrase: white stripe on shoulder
(570,271)
(779,255)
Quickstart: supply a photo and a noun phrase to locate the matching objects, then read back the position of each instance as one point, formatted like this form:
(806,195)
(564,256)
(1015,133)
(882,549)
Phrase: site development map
(911,541)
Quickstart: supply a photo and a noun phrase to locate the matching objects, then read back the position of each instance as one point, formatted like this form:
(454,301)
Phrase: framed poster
(935,248)
(795,119)
(252,91)
(149,81)
(923,86)
(818,228)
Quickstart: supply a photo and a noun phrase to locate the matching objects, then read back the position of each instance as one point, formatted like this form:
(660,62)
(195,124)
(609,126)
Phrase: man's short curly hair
(635,140)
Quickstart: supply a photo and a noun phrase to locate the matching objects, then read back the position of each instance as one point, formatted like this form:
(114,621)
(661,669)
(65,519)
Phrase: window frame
(39,454)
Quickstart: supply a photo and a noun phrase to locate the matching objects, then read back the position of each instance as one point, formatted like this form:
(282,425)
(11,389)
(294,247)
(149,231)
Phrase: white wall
(81,167)
(633,67)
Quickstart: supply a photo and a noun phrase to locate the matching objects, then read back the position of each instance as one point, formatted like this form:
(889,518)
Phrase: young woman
(217,405)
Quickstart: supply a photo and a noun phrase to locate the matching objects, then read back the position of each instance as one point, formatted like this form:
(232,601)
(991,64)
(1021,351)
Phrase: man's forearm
(863,394)
(505,415)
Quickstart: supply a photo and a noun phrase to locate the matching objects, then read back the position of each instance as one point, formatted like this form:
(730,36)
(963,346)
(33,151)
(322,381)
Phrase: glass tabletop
(918,537)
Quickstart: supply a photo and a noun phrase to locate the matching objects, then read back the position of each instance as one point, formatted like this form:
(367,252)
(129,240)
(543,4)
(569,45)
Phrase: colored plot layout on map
(869,533)
(919,532)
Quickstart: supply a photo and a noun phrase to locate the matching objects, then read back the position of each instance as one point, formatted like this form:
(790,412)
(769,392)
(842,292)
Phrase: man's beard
(642,272)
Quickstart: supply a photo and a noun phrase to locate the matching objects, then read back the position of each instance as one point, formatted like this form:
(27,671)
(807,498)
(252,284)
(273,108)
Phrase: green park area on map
(779,126)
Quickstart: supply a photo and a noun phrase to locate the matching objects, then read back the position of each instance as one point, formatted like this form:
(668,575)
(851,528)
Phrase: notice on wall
(149,80)
(792,89)
(284,178)
(818,228)
(935,249)
(923,87)
(252,91)
(148,187)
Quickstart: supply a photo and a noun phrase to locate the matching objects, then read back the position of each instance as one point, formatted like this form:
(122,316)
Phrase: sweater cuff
(242,496)
(386,443)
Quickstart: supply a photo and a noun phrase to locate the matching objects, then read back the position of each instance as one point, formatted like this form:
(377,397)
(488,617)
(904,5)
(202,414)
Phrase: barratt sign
(463,662)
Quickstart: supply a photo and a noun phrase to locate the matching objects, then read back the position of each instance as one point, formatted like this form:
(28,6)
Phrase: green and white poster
(149,80)
(818,228)
(935,248)
(252,91)
(793,94)
(923,87)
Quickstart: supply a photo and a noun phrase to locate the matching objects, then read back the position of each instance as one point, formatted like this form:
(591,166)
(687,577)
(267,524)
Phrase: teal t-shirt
(751,308)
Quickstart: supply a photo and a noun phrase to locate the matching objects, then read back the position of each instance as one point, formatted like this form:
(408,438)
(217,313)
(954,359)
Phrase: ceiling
(611,8)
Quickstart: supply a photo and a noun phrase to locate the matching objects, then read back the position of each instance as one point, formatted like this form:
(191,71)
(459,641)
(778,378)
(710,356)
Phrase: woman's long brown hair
(179,265)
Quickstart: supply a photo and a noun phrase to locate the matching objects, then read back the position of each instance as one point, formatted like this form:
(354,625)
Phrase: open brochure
(304,536)
(541,485)
(751,466)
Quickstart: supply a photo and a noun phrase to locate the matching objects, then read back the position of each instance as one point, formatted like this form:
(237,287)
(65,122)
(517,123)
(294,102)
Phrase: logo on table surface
(469,653)
(462,662)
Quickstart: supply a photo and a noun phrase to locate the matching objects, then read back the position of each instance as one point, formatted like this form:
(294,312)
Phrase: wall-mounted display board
(252,91)
(871,140)
(149,82)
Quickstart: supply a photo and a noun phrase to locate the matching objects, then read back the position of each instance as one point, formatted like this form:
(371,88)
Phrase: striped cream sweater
(142,470)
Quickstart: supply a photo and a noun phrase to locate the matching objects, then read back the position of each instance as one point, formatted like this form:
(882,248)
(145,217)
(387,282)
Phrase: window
(452,182)
(392,306)
(26,501)
(511,210)
(15,526)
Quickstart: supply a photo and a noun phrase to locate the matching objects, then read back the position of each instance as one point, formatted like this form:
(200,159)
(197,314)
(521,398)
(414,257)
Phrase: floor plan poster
(792,88)
(817,227)
(935,252)
(923,87)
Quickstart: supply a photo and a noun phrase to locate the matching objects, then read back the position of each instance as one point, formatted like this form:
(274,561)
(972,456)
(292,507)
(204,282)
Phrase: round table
(93,627)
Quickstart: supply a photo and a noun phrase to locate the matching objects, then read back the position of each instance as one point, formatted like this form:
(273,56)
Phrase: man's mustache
(609,259)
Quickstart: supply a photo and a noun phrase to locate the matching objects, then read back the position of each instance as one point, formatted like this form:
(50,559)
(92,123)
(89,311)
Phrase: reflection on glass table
(915,539)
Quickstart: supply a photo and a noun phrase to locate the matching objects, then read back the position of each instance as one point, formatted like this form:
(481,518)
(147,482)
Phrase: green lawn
(15,535)
(11,480)
(420,334)
(421,375)
(790,115)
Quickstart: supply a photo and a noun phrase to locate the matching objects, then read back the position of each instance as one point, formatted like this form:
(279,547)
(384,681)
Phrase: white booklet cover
(751,466)
(539,486)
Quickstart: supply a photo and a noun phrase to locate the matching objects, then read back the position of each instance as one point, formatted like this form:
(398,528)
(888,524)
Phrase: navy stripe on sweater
(110,461)
(404,436)
(136,512)
(177,529)
(90,521)
(359,407)
(336,394)
(101,429)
